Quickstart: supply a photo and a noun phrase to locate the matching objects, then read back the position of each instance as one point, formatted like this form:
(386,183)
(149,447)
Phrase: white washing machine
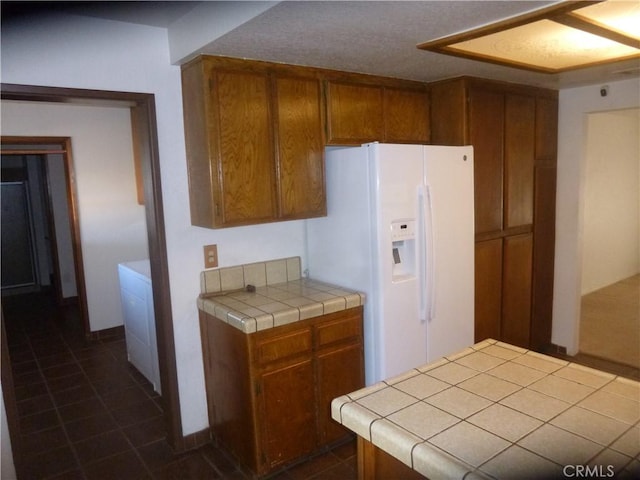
(136,292)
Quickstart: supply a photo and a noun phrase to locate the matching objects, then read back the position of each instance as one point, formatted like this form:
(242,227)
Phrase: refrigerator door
(399,334)
(450,273)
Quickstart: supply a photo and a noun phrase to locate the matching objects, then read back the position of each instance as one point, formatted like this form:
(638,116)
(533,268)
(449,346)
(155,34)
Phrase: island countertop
(499,411)
(281,295)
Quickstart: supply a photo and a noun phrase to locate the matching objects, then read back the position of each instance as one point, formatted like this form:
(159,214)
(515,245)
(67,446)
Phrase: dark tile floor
(86,413)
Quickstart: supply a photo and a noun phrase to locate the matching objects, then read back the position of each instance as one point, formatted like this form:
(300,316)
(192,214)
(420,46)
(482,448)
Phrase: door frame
(64,144)
(143,117)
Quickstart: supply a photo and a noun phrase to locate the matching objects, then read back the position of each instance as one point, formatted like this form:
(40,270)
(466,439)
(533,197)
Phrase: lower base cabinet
(269,393)
(376,464)
(504,276)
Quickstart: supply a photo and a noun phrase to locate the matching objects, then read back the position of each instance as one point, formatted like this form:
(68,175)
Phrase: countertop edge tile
(458,355)
(511,347)
(358,419)
(430,461)
(394,440)
(336,407)
(402,377)
(433,365)
(363,392)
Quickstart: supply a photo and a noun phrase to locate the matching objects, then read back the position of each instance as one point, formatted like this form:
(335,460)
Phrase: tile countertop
(281,296)
(498,411)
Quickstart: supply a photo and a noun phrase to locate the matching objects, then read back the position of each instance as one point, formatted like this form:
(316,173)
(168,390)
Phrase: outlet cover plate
(210,256)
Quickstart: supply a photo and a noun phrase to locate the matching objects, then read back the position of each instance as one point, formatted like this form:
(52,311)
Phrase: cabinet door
(488,296)
(519,155)
(286,410)
(354,114)
(546,131)
(486,130)
(544,236)
(516,300)
(230,405)
(406,116)
(244,149)
(339,372)
(300,145)
(449,113)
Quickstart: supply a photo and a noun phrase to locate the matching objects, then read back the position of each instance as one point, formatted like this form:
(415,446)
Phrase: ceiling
(360,36)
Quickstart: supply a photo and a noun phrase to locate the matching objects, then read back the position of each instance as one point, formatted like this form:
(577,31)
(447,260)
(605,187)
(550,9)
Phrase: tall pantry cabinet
(513,129)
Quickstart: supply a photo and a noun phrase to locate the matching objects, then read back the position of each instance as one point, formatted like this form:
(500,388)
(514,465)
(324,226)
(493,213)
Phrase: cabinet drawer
(278,348)
(339,330)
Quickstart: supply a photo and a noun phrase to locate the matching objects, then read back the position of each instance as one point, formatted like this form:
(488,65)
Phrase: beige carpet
(610,322)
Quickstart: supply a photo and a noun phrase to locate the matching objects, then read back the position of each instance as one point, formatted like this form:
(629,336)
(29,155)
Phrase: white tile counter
(281,295)
(498,411)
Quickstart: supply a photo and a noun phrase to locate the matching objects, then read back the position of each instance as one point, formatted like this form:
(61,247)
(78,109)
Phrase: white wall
(574,105)
(112,224)
(107,55)
(611,211)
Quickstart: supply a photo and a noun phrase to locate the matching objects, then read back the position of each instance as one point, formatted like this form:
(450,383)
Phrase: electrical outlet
(210,256)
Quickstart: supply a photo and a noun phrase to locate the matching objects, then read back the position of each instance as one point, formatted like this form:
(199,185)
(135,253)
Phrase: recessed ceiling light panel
(560,38)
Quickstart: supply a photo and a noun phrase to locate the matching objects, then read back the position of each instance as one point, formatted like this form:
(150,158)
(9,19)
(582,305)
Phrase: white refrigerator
(400,228)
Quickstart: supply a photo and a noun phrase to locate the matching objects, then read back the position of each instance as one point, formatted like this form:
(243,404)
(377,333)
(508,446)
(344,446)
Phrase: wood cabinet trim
(499,86)
(305,71)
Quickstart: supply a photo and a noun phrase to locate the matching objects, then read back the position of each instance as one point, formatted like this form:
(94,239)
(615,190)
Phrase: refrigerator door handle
(422,255)
(426,271)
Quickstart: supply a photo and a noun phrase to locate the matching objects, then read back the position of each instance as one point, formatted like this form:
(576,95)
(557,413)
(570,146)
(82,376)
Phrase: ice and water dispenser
(403,244)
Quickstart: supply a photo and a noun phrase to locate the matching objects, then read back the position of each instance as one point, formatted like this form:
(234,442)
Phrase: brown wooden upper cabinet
(256,131)
(354,113)
(358,113)
(255,144)
(406,116)
(300,156)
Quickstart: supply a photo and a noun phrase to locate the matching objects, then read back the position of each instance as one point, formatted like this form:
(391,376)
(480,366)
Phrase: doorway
(19,265)
(43,165)
(146,146)
(610,304)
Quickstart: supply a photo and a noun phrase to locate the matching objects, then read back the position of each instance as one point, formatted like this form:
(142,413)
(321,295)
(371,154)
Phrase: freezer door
(449,267)
(399,334)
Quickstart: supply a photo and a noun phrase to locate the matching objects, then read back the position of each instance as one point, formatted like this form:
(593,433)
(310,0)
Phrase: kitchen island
(496,411)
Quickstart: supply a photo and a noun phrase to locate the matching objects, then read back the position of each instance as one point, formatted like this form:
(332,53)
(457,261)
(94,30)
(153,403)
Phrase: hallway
(86,413)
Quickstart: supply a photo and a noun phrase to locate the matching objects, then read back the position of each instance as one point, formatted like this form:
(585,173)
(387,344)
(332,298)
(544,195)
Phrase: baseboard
(552,348)
(196,440)
(68,301)
(112,333)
